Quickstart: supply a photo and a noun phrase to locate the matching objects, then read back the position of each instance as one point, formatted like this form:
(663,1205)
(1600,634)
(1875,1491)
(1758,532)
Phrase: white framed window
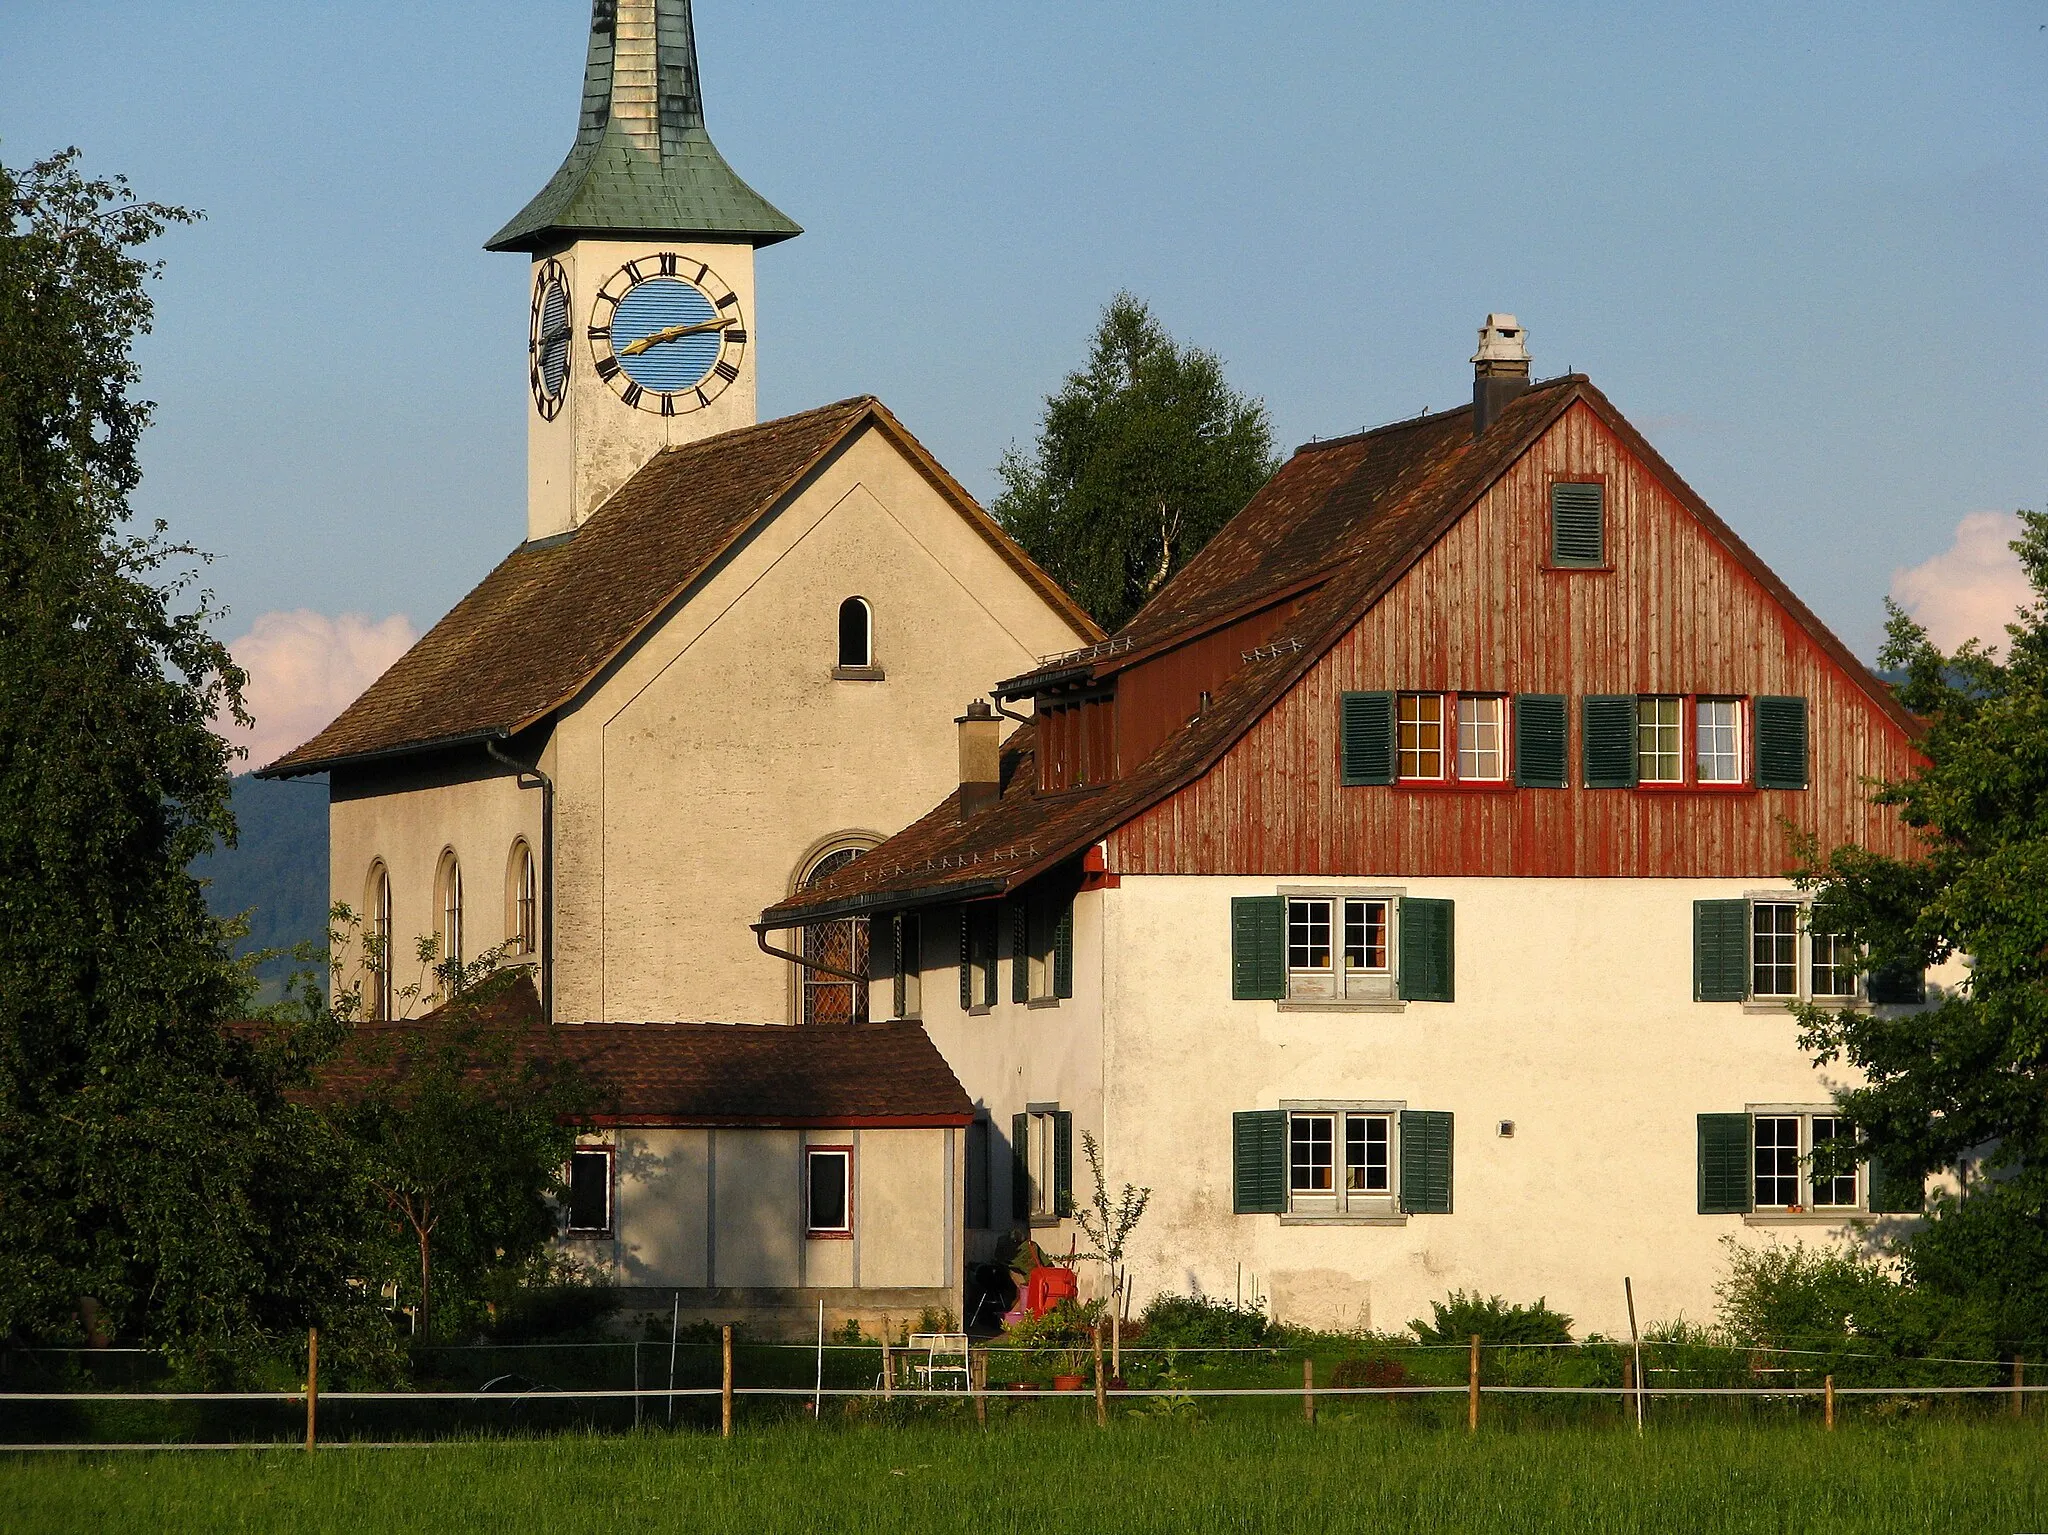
(1660,757)
(1774,950)
(590,1191)
(1787,1180)
(1341,1160)
(1717,740)
(1832,971)
(1482,739)
(828,1191)
(1039,1161)
(1421,736)
(1340,947)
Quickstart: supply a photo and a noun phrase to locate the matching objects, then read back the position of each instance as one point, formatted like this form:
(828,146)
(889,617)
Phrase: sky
(1801,247)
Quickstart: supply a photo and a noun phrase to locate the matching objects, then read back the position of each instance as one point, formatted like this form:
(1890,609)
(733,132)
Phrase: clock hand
(673,333)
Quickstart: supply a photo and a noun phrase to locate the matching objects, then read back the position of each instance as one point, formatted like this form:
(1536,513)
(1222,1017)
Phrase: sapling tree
(1107,1226)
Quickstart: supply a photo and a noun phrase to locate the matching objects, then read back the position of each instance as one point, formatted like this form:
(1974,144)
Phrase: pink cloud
(305,668)
(1973,588)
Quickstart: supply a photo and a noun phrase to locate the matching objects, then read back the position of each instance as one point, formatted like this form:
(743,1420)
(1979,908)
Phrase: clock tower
(642,326)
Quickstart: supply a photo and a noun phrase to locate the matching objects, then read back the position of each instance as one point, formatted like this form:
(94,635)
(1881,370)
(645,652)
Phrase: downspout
(547,869)
(761,938)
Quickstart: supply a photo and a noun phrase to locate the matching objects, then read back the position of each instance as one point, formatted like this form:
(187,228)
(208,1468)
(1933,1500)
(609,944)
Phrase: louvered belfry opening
(843,945)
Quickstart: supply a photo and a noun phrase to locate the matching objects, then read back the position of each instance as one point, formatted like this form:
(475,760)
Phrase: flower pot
(1069,1382)
(1023,1385)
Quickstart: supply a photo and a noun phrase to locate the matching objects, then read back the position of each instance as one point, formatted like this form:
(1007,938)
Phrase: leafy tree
(1968,1076)
(154,1177)
(1141,457)
(1107,1226)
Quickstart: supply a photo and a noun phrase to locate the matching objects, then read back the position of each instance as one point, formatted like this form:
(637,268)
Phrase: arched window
(522,901)
(829,998)
(448,926)
(856,633)
(377,942)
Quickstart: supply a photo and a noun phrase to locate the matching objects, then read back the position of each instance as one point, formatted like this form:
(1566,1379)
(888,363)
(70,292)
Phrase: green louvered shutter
(977,1212)
(1259,1162)
(1020,1166)
(1540,732)
(1725,1183)
(1781,743)
(966,959)
(1425,1162)
(1062,1163)
(1020,951)
(1063,953)
(1258,948)
(1368,749)
(1428,950)
(1720,951)
(1607,741)
(1892,1194)
(1578,534)
(1898,985)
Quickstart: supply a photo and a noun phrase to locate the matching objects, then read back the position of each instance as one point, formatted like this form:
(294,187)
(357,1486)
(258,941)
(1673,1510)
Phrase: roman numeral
(632,271)
(727,371)
(599,333)
(668,405)
(668,263)
(631,393)
(701,270)
(736,336)
(703,398)
(728,301)
(606,367)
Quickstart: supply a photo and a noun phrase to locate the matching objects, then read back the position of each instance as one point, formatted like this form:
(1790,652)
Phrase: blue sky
(1802,247)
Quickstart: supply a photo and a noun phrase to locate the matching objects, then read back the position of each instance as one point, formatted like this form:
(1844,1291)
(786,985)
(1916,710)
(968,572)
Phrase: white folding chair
(945,1360)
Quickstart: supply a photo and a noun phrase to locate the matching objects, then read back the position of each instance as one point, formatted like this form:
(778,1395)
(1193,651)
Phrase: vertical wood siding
(1155,697)
(1479,613)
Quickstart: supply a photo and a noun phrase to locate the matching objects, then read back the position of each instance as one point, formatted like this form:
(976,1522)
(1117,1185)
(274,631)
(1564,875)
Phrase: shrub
(1196,1321)
(1459,1317)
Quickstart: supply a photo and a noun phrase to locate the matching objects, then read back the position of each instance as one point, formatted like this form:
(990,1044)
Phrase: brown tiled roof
(1335,528)
(554,612)
(698,1073)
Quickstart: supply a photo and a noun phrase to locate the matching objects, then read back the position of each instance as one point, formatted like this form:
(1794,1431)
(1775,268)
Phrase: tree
(1140,458)
(154,1176)
(1107,1226)
(1968,1076)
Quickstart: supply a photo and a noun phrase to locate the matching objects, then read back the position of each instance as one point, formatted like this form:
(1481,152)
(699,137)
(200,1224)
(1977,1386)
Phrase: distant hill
(277,873)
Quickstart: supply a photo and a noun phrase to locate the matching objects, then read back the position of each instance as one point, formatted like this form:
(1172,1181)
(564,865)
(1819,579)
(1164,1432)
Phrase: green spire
(642,162)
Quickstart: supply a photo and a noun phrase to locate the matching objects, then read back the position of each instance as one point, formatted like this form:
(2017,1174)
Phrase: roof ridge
(1406,423)
(734,434)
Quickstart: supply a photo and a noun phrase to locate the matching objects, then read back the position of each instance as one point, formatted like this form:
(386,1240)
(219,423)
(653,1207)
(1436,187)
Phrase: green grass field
(1353,1474)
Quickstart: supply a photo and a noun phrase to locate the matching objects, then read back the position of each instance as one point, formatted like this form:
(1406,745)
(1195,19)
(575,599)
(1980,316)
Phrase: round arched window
(448,921)
(377,942)
(829,998)
(856,633)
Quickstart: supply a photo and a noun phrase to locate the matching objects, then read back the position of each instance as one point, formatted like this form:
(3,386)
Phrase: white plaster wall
(905,1205)
(757,1218)
(663,1202)
(1574,1018)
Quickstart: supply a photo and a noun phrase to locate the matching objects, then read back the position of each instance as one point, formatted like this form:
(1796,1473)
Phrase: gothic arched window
(377,942)
(829,998)
(856,633)
(522,901)
(448,921)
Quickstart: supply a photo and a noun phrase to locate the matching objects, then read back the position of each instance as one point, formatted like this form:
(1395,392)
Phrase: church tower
(642,325)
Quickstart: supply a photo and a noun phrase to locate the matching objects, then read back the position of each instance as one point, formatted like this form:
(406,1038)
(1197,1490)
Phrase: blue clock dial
(666,334)
(547,344)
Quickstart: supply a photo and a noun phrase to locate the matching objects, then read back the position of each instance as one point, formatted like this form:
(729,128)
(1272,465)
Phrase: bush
(1791,1296)
(1196,1321)
(1376,1371)
(1458,1318)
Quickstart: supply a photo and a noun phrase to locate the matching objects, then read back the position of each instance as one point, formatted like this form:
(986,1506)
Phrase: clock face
(547,343)
(666,334)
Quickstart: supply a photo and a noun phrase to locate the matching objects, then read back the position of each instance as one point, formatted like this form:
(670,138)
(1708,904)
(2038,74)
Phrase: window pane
(1657,740)
(1717,740)
(828,1171)
(1365,935)
(1365,1154)
(590,1191)
(1422,735)
(1834,975)
(1310,1148)
(1777,1162)
(1838,1191)
(1480,754)
(1308,935)
(1774,949)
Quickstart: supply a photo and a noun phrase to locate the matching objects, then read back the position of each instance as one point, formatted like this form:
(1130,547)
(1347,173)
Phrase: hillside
(278,871)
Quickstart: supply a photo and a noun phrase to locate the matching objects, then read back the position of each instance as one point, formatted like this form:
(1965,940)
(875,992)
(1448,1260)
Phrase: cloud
(1973,588)
(305,668)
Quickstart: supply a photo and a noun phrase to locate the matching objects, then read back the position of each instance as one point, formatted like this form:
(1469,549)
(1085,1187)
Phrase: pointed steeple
(642,162)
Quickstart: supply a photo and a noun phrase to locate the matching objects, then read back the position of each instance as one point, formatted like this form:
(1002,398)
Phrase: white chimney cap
(1502,339)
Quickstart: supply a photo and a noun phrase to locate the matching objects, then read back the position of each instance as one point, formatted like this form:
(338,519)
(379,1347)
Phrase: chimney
(1500,369)
(981,755)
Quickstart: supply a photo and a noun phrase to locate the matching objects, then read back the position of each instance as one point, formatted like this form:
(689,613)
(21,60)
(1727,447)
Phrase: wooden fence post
(888,1372)
(977,1379)
(2019,1381)
(725,1393)
(1828,1400)
(1472,1391)
(1101,1385)
(1628,1384)
(312,1385)
(1308,1389)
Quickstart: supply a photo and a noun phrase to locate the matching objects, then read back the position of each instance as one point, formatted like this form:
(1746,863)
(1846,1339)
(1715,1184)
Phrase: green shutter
(1428,953)
(978,1134)
(1259,1162)
(1893,1194)
(1540,732)
(1898,985)
(1063,952)
(1720,951)
(1062,1163)
(1368,748)
(1020,1166)
(985,953)
(1020,951)
(1781,743)
(1726,1187)
(966,960)
(1607,741)
(1426,1136)
(1577,525)
(1258,947)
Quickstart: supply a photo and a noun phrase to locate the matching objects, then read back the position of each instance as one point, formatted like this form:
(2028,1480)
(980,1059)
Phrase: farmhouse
(1401,895)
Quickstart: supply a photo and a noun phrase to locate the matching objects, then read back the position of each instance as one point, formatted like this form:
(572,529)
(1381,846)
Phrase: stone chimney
(981,758)
(1500,369)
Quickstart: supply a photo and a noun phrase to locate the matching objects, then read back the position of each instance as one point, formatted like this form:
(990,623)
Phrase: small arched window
(377,942)
(522,900)
(856,634)
(448,925)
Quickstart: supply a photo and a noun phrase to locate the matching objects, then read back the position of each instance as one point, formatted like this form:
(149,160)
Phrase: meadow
(1350,1471)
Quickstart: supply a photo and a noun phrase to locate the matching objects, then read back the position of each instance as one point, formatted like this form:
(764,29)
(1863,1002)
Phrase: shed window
(856,633)
(828,1181)
(590,1190)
